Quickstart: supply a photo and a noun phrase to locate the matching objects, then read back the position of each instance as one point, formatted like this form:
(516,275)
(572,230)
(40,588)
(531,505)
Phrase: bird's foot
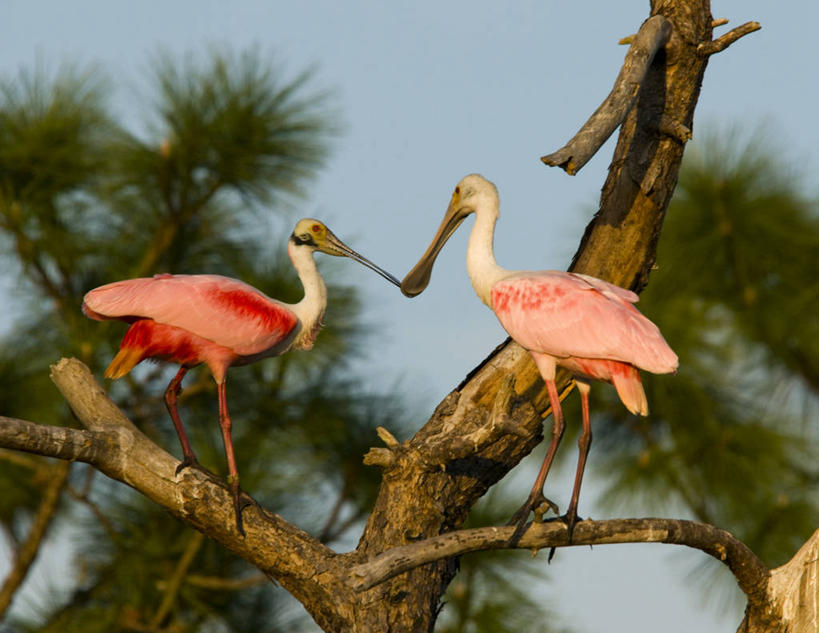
(240,501)
(538,505)
(192,462)
(570,519)
(542,507)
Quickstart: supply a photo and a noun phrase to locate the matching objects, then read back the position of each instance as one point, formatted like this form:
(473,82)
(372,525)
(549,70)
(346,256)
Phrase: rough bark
(791,596)
(651,37)
(479,432)
(344,589)
(751,574)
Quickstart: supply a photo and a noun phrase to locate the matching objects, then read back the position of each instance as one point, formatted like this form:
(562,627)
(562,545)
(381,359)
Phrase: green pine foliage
(736,296)
(226,149)
(225,145)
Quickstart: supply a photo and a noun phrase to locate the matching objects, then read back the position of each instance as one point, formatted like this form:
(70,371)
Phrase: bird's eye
(457,190)
(315,228)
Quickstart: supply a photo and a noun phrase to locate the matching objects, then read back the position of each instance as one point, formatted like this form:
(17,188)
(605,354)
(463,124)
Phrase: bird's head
(315,236)
(311,234)
(472,193)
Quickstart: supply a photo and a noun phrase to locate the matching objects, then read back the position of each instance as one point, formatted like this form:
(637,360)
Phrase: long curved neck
(480,257)
(310,310)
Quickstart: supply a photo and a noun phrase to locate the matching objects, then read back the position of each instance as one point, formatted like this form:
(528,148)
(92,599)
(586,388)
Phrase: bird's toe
(190,461)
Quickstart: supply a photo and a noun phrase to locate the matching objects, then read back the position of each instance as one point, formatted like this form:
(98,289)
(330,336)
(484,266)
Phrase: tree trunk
(419,497)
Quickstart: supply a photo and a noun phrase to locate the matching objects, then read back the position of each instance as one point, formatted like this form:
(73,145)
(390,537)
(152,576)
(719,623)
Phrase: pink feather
(225,311)
(567,315)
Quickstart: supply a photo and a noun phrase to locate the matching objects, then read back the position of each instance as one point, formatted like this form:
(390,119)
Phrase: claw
(543,507)
(534,504)
(240,501)
(570,519)
(190,461)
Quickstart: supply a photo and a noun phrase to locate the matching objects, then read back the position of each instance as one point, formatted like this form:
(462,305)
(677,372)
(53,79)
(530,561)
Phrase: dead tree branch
(113,445)
(724,41)
(751,574)
(54,441)
(653,35)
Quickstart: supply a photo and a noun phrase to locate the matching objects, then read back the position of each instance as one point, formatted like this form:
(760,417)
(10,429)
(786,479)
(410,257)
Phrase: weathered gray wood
(651,37)
(751,574)
(279,549)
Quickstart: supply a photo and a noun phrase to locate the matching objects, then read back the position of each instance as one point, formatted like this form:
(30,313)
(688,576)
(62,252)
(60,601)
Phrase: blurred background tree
(729,440)
(208,185)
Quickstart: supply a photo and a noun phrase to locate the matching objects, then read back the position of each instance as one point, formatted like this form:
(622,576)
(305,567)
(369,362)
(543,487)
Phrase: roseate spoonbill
(579,322)
(193,319)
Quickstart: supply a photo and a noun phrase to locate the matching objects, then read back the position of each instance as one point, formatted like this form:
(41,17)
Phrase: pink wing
(223,310)
(567,314)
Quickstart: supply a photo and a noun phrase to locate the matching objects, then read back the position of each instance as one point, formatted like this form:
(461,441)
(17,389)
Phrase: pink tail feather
(630,389)
(125,360)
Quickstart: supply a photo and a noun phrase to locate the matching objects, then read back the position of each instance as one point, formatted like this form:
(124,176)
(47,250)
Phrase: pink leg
(583,443)
(557,434)
(536,497)
(233,473)
(171,395)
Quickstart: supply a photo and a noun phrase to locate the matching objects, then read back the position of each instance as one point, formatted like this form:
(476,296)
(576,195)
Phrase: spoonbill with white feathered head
(582,323)
(219,321)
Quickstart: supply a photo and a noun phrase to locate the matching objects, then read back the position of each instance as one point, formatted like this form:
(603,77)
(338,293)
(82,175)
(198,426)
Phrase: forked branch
(653,35)
(113,445)
(724,41)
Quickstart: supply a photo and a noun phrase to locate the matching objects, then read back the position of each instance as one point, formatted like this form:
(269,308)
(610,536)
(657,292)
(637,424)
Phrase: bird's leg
(171,395)
(233,474)
(536,498)
(583,443)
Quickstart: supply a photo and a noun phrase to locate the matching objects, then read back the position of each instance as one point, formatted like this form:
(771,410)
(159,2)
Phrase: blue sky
(428,92)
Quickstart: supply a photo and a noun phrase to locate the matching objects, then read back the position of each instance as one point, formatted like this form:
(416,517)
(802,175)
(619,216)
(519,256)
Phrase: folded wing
(567,314)
(223,310)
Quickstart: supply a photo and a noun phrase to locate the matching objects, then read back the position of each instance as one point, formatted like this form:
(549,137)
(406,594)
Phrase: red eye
(316,228)
(457,190)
